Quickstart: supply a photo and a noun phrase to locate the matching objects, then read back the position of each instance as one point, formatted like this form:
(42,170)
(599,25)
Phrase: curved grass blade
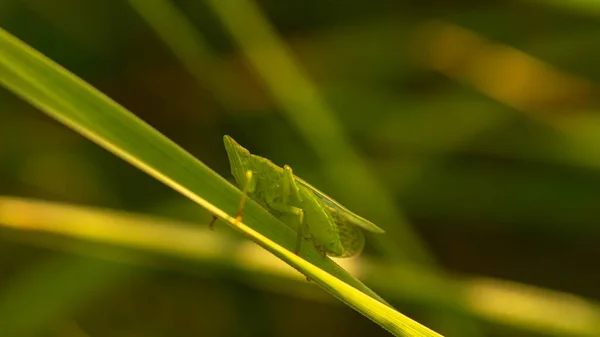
(75,103)
(541,311)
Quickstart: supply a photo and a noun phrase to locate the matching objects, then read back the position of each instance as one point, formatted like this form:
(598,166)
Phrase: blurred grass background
(476,122)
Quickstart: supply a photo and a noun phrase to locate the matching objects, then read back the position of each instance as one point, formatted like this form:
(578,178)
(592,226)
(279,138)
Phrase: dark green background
(491,190)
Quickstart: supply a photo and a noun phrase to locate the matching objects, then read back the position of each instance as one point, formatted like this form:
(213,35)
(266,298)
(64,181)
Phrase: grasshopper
(333,229)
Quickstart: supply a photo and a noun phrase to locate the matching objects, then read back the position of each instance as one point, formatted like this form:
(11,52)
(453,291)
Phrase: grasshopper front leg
(248,187)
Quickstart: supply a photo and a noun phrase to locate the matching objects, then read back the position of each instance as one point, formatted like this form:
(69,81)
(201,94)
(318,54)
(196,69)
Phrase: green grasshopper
(332,228)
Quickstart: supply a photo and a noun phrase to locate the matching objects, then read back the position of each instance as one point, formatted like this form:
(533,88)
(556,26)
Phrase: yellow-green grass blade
(530,309)
(75,103)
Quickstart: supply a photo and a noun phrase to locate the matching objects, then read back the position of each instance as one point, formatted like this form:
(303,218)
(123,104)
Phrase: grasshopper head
(238,159)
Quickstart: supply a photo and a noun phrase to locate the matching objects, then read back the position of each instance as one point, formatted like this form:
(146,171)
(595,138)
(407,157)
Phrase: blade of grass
(173,238)
(75,103)
(531,309)
(191,48)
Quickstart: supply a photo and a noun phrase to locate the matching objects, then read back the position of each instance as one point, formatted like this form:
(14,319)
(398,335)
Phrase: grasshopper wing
(342,211)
